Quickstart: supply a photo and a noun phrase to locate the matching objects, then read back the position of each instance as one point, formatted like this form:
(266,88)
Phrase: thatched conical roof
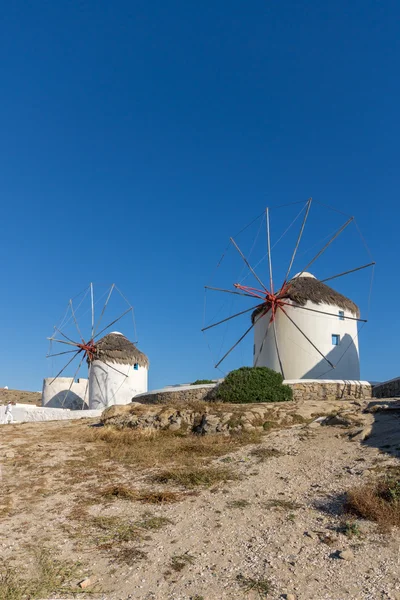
(116,348)
(308,288)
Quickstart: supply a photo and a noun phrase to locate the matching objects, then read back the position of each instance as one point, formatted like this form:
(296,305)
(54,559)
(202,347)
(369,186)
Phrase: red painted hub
(272,302)
(89,348)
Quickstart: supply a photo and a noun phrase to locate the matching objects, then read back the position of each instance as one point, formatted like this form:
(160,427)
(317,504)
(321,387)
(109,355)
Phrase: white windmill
(302,327)
(117,370)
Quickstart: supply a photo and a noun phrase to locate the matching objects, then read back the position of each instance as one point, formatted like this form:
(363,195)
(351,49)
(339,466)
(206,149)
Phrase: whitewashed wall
(23,413)
(115,384)
(55,393)
(300,360)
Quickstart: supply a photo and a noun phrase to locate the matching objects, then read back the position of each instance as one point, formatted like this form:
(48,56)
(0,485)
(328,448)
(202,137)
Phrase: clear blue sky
(136,137)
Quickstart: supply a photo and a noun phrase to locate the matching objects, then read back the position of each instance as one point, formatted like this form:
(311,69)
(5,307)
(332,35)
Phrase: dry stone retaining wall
(328,389)
(183,394)
(303,389)
(387,389)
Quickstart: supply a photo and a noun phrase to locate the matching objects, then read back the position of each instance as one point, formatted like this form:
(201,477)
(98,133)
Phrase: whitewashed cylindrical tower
(334,336)
(117,373)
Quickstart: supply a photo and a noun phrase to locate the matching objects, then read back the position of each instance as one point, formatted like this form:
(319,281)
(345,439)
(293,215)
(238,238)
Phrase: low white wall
(56,393)
(23,413)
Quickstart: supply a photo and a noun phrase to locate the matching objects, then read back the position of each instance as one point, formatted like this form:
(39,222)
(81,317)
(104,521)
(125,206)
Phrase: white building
(117,373)
(59,393)
(334,336)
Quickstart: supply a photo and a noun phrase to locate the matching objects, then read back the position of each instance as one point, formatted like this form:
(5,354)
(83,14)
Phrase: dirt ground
(269,525)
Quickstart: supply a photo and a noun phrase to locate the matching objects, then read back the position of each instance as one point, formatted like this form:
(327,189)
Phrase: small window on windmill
(136,366)
(341,315)
(335,339)
(254,349)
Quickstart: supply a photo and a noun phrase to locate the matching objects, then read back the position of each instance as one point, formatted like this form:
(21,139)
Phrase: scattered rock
(345,554)
(9,454)
(337,420)
(87,582)
(362,434)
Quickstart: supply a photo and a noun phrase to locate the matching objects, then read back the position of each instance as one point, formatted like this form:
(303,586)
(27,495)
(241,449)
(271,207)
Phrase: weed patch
(249,584)
(237,504)
(350,529)
(179,562)
(195,477)
(284,504)
(51,576)
(265,453)
(377,501)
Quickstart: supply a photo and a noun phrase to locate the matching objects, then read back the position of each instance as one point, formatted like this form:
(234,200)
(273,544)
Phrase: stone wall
(387,389)
(303,389)
(180,394)
(328,389)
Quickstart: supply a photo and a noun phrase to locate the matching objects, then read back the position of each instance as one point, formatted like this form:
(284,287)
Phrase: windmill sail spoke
(62,342)
(232,317)
(298,240)
(65,336)
(307,338)
(262,345)
(76,322)
(207,287)
(235,344)
(72,381)
(59,353)
(371,264)
(68,363)
(277,347)
(113,322)
(271,281)
(114,369)
(248,264)
(104,308)
(92,303)
(332,239)
(321,312)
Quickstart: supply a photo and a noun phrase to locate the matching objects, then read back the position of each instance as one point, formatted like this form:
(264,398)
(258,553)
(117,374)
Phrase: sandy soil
(275,533)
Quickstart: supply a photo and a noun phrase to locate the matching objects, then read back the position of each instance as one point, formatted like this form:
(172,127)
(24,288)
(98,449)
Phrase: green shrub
(253,384)
(201,381)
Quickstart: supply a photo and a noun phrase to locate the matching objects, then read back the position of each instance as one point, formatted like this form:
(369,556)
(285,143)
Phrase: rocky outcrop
(204,418)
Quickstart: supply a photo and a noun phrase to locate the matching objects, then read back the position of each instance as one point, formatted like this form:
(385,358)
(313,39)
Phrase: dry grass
(118,533)
(377,501)
(179,562)
(260,586)
(129,555)
(238,504)
(149,448)
(265,453)
(146,497)
(194,477)
(50,576)
(284,504)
